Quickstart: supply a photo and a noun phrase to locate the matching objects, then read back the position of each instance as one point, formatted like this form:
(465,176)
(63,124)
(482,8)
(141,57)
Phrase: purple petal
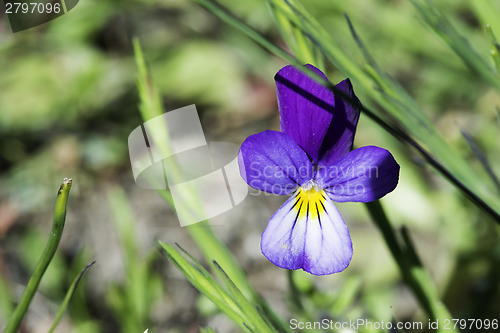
(271,161)
(365,174)
(306,108)
(340,135)
(308,232)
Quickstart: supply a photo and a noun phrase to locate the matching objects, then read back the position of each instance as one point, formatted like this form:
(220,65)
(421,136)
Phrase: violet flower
(312,159)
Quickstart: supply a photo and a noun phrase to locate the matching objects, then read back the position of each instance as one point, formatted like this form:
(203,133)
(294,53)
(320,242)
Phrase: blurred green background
(68,101)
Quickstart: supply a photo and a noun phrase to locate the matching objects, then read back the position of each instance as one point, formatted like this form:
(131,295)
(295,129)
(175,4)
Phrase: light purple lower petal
(363,175)
(308,232)
(271,161)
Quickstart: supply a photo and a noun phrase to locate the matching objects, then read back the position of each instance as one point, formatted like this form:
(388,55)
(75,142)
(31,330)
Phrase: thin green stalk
(410,266)
(65,9)
(68,296)
(294,291)
(495,48)
(44,261)
(487,13)
(296,41)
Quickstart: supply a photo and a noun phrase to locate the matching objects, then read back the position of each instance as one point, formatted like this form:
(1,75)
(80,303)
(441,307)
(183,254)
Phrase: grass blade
(481,157)
(68,296)
(206,284)
(245,306)
(488,14)
(46,258)
(495,47)
(296,40)
(440,24)
(410,266)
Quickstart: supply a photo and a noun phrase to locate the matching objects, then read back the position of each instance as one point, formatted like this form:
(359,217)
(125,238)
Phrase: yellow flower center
(310,201)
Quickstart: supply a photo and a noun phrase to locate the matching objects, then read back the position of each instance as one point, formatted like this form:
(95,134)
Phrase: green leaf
(232,303)
(245,306)
(68,296)
(410,266)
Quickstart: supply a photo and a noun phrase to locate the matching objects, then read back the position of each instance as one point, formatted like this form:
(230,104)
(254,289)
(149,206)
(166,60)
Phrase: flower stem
(294,291)
(414,274)
(44,261)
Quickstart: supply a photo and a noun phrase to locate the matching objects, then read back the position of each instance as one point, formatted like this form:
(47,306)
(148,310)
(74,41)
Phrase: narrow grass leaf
(202,281)
(481,157)
(245,306)
(133,299)
(299,44)
(410,266)
(495,48)
(440,24)
(487,14)
(222,293)
(67,298)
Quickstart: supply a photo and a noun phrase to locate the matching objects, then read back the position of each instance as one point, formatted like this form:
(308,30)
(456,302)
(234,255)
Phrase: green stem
(294,292)
(43,263)
(410,265)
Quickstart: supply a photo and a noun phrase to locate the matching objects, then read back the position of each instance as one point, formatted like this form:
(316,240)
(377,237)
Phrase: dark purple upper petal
(306,108)
(340,135)
(363,175)
(322,123)
(271,161)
